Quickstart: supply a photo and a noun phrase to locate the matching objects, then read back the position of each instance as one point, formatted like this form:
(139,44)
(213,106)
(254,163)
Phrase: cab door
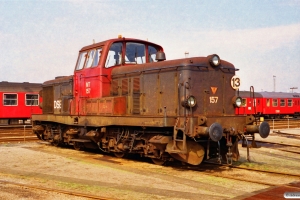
(86,79)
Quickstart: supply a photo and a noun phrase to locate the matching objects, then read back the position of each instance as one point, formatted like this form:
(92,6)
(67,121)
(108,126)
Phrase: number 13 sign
(235,82)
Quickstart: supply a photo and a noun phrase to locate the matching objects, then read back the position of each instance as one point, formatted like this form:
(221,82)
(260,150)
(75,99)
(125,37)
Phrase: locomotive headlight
(215,60)
(189,102)
(237,101)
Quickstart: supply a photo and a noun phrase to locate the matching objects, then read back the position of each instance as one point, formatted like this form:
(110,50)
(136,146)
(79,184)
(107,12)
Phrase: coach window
(268,102)
(114,56)
(81,60)
(282,102)
(152,54)
(290,102)
(10,99)
(32,100)
(275,102)
(244,102)
(135,53)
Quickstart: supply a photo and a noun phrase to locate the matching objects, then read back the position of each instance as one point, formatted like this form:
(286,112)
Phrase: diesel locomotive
(126,98)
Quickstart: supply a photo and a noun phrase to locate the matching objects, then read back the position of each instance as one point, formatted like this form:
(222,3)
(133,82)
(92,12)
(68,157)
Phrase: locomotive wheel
(55,143)
(77,146)
(158,161)
(119,154)
(195,152)
(39,136)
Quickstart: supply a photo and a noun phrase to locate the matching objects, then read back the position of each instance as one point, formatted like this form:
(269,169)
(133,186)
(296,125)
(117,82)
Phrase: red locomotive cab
(92,74)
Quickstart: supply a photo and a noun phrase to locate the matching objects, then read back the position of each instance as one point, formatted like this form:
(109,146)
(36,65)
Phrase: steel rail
(256,170)
(282,144)
(77,194)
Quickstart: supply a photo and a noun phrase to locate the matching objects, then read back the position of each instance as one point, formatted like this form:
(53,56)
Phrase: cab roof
(110,41)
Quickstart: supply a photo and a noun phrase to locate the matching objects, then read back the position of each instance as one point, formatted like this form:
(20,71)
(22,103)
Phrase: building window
(275,103)
(282,102)
(10,99)
(32,100)
(290,102)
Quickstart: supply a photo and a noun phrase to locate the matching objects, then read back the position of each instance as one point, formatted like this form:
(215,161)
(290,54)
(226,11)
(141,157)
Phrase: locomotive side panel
(151,94)
(58,96)
(168,92)
(48,100)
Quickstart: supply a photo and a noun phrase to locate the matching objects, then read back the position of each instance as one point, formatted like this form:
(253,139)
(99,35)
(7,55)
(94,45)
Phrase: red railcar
(18,102)
(269,104)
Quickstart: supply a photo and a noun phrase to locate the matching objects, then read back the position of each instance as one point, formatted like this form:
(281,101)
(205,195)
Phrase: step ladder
(179,148)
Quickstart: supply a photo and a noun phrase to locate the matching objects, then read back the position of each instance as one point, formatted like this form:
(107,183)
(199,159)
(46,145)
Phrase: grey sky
(40,40)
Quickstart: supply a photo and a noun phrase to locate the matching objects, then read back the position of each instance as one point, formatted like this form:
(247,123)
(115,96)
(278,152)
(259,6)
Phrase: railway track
(208,167)
(278,124)
(287,135)
(71,193)
(13,134)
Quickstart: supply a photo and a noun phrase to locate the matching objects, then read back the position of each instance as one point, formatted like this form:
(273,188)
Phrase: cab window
(135,53)
(97,57)
(152,54)
(90,58)
(81,60)
(114,56)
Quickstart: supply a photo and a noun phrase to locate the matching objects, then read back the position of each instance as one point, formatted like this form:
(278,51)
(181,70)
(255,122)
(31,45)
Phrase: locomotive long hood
(179,64)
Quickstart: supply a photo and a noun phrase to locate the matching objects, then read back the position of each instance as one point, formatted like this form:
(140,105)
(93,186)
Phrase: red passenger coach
(269,104)
(18,102)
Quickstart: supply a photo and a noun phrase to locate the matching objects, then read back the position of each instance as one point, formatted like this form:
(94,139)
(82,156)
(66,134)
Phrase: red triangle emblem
(214,89)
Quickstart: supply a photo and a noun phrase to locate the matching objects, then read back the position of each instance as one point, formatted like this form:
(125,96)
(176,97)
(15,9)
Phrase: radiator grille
(125,86)
(114,88)
(136,96)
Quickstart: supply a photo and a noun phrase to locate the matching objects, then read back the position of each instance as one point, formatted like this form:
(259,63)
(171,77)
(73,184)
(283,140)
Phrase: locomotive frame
(124,97)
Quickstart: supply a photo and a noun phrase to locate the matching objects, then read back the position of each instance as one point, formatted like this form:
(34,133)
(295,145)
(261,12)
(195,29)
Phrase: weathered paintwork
(126,100)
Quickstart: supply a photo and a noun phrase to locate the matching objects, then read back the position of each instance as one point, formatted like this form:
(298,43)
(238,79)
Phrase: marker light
(215,60)
(189,102)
